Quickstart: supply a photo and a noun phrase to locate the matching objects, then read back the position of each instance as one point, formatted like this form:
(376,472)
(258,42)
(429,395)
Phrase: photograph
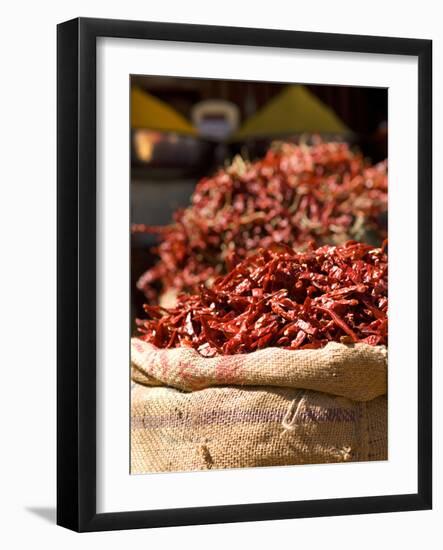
(244,274)
(228,217)
(259,274)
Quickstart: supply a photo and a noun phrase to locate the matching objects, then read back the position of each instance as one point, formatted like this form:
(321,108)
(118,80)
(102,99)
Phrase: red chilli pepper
(268,301)
(295,195)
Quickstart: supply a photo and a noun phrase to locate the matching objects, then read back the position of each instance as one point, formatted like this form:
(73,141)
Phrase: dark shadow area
(46,513)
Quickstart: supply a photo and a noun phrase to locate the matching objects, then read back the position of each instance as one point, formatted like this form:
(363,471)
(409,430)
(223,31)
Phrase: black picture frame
(76,274)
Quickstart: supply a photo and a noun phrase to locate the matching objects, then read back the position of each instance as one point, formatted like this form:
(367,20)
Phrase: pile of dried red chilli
(325,194)
(282,298)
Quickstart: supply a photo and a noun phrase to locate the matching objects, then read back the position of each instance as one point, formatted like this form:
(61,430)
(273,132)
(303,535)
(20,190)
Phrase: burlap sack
(268,408)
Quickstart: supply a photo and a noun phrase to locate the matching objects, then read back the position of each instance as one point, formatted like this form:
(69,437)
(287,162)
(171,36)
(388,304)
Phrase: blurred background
(183,129)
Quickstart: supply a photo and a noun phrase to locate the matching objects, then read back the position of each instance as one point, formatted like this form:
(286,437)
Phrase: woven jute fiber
(358,372)
(268,408)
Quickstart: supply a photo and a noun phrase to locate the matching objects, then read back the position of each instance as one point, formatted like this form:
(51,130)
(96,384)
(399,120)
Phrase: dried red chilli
(281,298)
(325,193)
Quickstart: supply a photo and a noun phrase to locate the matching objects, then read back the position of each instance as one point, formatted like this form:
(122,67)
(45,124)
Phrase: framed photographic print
(244,274)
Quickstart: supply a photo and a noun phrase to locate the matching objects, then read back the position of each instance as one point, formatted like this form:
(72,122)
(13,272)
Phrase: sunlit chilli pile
(295,195)
(282,298)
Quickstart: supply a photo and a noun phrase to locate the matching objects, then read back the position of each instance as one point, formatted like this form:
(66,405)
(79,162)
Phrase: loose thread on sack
(289,421)
(208,460)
